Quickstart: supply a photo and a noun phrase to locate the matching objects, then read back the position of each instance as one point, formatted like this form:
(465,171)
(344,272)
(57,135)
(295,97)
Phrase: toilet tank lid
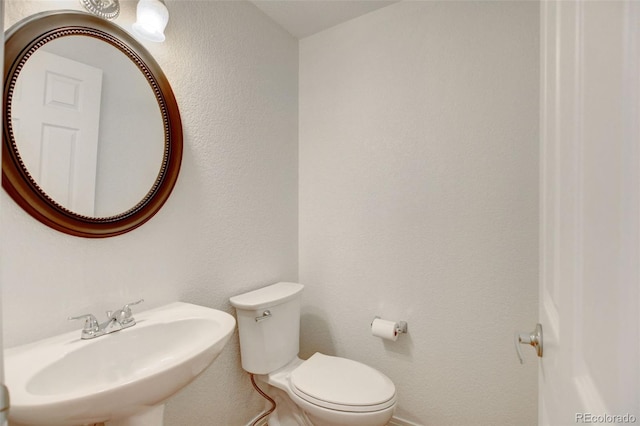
(265,297)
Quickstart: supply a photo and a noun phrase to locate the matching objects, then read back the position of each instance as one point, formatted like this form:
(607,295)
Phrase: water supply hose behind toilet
(265,396)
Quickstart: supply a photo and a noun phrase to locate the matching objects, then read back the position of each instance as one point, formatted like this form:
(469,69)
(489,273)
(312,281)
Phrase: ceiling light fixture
(152,18)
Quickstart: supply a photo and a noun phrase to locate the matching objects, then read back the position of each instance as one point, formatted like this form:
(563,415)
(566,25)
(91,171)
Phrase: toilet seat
(342,384)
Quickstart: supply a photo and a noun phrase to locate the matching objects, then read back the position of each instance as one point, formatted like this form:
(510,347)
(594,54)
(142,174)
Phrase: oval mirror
(92,132)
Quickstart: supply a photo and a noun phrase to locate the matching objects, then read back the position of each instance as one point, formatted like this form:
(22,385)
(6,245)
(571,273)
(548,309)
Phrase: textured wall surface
(230,224)
(418,202)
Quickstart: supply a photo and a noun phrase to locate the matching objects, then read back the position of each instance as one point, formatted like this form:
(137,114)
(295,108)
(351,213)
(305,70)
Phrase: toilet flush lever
(534,339)
(266,314)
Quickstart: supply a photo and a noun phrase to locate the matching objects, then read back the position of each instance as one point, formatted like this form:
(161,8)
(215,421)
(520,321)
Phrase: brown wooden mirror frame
(25,38)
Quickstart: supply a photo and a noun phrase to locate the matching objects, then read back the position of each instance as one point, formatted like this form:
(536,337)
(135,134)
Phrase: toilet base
(287,413)
(291,410)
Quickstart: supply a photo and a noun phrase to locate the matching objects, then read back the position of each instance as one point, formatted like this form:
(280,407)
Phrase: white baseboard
(396,421)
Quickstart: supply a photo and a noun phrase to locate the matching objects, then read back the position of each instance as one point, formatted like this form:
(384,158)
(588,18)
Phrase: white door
(590,213)
(56,118)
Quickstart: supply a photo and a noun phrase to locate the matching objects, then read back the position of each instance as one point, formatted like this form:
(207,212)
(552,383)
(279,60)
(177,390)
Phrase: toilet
(320,391)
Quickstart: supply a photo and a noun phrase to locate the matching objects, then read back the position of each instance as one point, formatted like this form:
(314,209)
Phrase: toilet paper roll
(385,329)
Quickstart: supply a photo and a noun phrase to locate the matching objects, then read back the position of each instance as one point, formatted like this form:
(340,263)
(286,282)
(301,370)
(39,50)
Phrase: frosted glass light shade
(152,18)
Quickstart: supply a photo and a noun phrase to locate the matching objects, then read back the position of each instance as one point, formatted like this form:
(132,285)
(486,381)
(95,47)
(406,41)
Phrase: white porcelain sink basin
(121,378)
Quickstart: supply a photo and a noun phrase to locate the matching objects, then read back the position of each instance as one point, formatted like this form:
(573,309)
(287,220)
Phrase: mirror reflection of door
(139,146)
(58,113)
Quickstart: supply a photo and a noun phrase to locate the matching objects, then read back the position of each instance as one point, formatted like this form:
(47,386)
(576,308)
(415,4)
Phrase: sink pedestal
(152,417)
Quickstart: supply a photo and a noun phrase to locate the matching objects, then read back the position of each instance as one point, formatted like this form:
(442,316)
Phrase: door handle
(534,339)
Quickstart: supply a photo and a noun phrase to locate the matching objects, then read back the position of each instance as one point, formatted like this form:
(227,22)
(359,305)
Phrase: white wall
(230,224)
(418,202)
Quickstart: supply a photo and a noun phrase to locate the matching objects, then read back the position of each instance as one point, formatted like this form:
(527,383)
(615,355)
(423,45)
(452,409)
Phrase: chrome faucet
(116,321)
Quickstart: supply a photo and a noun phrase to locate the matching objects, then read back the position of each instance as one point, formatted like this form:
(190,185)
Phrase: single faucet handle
(90,323)
(126,311)
(132,303)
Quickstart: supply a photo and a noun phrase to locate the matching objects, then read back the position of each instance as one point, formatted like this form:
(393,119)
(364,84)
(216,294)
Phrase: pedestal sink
(122,378)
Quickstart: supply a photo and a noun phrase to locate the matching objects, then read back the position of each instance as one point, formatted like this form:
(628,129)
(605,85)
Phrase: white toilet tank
(269,326)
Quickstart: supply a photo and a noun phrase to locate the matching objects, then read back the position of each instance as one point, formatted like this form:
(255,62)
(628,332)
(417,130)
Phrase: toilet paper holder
(401,326)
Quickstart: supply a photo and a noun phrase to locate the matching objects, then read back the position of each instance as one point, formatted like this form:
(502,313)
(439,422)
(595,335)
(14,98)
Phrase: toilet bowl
(337,391)
(324,390)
